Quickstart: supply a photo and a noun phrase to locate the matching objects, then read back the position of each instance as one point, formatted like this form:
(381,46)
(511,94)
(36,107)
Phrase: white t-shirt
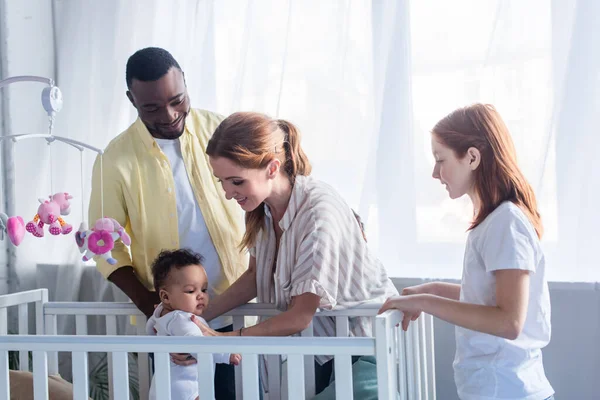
(490,367)
(184,379)
(193,233)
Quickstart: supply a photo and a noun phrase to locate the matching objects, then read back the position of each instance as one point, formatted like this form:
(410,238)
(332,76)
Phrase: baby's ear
(163,295)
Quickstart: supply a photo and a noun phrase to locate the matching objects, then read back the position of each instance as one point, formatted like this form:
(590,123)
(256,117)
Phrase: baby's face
(187,289)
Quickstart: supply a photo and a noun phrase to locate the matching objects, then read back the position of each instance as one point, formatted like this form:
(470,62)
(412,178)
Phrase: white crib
(405,360)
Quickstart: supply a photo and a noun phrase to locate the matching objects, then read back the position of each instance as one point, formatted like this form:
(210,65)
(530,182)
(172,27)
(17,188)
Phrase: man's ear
(130,97)
(474,158)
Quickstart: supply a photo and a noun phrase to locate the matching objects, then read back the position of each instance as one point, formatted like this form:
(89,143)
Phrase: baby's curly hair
(169,259)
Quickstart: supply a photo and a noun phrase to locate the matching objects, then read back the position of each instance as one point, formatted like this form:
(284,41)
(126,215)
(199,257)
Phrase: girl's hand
(405,303)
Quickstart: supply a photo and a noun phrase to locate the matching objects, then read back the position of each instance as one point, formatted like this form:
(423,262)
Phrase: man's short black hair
(149,64)
(169,259)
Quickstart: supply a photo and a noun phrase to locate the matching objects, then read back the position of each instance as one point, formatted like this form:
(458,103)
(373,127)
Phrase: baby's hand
(235,359)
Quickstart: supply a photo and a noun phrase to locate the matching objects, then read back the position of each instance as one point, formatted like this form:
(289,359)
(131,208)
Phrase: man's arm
(109,193)
(126,280)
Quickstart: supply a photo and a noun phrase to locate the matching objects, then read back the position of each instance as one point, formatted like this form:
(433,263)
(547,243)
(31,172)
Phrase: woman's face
(249,187)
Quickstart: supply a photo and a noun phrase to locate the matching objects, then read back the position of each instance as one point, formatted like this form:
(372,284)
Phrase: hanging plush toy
(14,227)
(49,212)
(100,240)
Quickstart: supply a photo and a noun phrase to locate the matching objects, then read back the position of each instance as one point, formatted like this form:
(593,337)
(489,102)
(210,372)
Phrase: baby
(182,284)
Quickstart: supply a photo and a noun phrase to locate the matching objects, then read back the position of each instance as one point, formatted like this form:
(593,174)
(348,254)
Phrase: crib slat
(3,321)
(206,373)
(342,326)
(40,375)
(51,329)
(4,382)
(309,366)
(250,377)
(402,363)
(23,330)
(143,361)
(410,363)
(343,377)
(120,375)
(81,325)
(386,384)
(238,322)
(39,312)
(274,373)
(111,329)
(295,377)
(430,356)
(80,375)
(422,358)
(415,334)
(162,380)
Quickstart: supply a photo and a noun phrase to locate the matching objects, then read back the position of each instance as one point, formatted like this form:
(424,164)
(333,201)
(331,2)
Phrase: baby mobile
(101,237)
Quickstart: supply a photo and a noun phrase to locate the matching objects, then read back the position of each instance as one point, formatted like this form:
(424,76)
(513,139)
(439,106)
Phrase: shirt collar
(296,199)
(148,140)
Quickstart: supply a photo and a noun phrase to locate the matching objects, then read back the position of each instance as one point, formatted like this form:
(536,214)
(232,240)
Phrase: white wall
(26,48)
(571,360)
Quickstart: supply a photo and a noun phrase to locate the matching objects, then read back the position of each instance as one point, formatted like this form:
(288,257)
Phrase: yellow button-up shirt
(139,192)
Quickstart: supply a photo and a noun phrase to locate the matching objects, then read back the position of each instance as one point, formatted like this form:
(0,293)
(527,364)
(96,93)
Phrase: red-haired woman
(307,250)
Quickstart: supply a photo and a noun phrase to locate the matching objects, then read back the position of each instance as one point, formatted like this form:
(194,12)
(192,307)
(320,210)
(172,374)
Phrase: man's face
(162,105)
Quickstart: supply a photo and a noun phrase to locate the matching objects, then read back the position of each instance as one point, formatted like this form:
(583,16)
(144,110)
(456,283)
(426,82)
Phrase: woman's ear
(273,168)
(473,157)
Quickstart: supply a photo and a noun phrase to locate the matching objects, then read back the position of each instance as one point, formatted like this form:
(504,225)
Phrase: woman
(307,250)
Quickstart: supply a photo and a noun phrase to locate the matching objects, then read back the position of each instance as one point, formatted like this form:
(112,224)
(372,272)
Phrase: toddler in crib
(181,283)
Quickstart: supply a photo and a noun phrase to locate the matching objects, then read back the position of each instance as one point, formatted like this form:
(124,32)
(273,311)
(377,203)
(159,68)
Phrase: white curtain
(365,82)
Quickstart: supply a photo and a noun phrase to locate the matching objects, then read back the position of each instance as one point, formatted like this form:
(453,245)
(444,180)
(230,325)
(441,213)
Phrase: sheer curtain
(365,82)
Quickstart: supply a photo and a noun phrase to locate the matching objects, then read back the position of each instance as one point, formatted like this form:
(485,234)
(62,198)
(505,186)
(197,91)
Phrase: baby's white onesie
(184,379)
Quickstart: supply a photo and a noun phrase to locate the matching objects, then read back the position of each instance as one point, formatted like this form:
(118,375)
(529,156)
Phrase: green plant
(98,378)
(14,362)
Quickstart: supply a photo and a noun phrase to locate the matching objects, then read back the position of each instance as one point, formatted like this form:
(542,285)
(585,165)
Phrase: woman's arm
(506,319)
(297,318)
(240,292)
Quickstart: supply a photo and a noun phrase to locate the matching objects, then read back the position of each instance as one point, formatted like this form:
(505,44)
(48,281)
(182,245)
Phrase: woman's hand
(183,359)
(206,330)
(188,359)
(407,303)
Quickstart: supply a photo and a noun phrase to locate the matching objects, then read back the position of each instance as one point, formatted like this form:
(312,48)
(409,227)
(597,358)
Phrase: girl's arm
(441,289)
(240,292)
(505,319)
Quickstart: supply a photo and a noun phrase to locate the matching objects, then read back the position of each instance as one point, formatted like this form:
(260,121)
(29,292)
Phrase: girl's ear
(474,158)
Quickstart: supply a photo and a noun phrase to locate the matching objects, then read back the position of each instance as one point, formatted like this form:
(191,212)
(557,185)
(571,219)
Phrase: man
(157,183)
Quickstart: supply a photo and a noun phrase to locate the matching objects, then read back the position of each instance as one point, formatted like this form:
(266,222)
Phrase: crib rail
(405,360)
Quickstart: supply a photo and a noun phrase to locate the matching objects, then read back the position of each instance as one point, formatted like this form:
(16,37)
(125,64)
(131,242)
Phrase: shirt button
(169,190)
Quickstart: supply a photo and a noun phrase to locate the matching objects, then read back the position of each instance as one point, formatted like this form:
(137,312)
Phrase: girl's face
(249,187)
(457,174)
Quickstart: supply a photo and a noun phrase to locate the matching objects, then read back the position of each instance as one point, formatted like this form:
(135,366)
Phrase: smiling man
(157,183)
